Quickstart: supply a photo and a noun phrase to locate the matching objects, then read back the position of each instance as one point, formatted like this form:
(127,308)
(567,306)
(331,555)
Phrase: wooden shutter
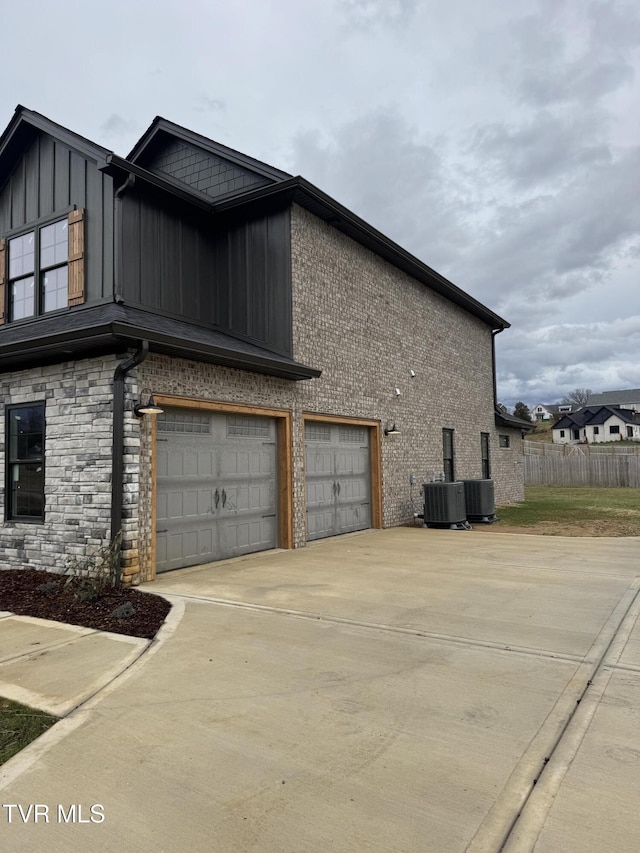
(3,261)
(76,257)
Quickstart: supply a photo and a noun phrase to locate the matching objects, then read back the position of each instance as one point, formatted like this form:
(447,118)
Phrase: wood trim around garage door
(285,455)
(375,457)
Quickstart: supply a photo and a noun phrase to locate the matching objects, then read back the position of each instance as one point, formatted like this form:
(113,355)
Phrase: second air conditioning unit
(480,501)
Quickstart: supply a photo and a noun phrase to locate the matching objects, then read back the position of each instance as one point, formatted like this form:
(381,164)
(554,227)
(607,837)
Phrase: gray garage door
(216,487)
(338,479)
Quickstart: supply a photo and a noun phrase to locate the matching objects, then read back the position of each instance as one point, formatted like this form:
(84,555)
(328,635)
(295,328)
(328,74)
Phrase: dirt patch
(47,595)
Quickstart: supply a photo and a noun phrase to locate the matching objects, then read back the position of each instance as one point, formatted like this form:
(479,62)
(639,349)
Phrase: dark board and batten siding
(235,277)
(52,178)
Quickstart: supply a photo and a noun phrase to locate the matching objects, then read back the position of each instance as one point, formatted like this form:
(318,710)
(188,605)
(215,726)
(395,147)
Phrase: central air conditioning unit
(480,501)
(444,506)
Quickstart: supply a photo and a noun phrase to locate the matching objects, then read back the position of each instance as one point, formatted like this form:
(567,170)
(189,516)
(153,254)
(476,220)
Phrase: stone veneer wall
(366,324)
(78,399)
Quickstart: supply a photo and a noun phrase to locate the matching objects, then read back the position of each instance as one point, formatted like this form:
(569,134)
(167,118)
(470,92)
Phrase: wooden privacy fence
(581,465)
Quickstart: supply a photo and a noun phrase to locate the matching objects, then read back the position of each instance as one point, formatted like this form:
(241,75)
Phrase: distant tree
(577,397)
(520,410)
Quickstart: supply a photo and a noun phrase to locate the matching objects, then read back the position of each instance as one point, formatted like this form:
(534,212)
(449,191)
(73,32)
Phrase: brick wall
(366,324)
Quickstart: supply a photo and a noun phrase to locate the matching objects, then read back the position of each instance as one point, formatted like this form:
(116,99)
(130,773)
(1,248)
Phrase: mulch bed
(47,595)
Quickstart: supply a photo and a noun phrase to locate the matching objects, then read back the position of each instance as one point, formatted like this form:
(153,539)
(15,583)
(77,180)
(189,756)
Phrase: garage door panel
(338,479)
(216,479)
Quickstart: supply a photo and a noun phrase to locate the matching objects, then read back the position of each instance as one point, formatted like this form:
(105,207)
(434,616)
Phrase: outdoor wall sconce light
(392,430)
(148,408)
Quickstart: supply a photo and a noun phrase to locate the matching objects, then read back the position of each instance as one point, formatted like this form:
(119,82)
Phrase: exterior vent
(480,500)
(444,505)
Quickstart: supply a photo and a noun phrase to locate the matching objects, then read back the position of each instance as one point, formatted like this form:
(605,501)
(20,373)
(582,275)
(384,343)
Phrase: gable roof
(504,419)
(613,398)
(593,416)
(280,190)
(160,129)
(25,126)
(555,408)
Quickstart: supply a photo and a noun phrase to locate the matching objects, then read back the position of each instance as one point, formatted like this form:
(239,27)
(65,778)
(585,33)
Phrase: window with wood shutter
(42,268)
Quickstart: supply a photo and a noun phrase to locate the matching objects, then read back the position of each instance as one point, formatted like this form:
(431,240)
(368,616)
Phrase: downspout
(494,332)
(117,458)
(117,451)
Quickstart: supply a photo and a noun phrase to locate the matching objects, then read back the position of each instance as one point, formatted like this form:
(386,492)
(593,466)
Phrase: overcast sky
(497,141)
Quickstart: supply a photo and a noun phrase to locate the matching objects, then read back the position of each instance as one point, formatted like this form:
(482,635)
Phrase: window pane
(53,244)
(26,433)
(27,490)
(22,304)
(21,255)
(54,284)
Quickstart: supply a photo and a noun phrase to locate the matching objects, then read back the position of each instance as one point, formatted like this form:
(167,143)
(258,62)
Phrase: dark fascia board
(197,351)
(120,165)
(113,332)
(161,125)
(23,116)
(299,190)
(319,203)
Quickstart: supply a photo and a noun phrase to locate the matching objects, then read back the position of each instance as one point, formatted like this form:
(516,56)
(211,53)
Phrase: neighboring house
(595,424)
(551,411)
(629,399)
(307,365)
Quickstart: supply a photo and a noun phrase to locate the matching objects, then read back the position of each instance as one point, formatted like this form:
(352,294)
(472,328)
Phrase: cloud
(578,53)
(206,103)
(116,125)
(366,14)
(545,364)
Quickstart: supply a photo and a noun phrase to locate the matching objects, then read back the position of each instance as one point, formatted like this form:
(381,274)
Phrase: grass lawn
(20,725)
(572,511)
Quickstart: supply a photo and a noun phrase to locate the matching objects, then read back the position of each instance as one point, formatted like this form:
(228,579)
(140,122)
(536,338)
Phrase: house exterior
(596,424)
(626,399)
(307,366)
(551,411)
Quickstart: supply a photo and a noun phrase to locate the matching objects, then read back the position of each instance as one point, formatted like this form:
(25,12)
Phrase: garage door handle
(216,498)
(224,497)
(338,485)
(166,530)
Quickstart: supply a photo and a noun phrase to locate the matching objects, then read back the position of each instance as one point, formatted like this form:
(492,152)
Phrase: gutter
(117,455)
(494,332)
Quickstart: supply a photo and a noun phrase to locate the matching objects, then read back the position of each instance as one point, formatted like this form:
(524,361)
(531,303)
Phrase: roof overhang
(110,328)
(503,419)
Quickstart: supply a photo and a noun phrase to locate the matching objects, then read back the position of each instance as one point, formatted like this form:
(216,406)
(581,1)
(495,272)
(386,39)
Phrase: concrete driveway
(398,690)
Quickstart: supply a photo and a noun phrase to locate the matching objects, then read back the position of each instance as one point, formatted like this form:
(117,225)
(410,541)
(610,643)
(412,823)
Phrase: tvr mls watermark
(42,813)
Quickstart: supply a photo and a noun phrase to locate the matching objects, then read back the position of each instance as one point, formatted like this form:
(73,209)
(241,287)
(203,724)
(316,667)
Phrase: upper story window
(43,268)
(38,274)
